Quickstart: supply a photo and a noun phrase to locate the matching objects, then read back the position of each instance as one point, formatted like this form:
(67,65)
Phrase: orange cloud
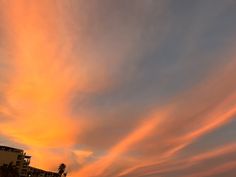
(144,130)
(173,164)
(36,93)
(220,169)
(40,85)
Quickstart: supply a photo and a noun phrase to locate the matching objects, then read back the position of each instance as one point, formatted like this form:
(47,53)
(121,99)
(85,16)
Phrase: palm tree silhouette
(61,169)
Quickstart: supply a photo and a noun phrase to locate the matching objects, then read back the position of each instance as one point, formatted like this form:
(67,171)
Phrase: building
(36,172)
(17,157)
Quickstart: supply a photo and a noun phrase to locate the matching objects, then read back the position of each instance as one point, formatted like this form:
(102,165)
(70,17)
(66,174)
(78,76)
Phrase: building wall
(17,158)
(35,172)
(8,157)
(22,161)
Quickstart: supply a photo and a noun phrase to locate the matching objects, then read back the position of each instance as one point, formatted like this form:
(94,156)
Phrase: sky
(120,88)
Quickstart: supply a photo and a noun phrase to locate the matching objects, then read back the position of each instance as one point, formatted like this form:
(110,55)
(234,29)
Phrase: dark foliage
(8,170)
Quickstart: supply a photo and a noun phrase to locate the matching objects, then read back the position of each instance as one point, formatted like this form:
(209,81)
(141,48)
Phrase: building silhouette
(21,162)
(36,172)
(17,157)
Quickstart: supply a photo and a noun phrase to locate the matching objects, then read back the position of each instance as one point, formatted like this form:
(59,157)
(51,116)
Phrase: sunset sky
(120,88)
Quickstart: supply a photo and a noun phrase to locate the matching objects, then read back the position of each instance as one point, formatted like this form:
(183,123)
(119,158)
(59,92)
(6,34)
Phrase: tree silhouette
(9,170)
(61,169)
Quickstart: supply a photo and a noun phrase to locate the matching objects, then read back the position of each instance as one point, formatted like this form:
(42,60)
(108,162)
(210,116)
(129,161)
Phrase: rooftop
(10,149)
